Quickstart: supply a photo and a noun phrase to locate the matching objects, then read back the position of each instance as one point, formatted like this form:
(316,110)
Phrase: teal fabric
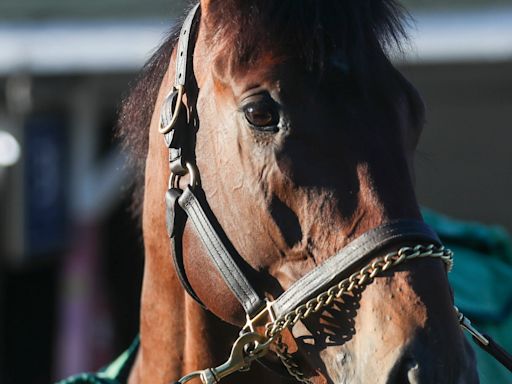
(116,372)
(482,283)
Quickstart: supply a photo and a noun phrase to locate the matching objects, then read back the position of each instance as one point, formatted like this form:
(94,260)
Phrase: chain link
(287,360)
(358,279)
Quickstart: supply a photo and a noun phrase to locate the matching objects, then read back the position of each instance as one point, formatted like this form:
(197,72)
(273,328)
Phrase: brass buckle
(264,314)
(177,99)
(192,171)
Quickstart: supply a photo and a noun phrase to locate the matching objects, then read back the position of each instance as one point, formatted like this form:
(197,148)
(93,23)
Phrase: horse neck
(177,336)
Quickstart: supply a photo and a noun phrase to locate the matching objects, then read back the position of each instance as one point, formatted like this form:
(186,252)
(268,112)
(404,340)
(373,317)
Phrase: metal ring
(174,179)
(194,174)
(191,376)
(179,90)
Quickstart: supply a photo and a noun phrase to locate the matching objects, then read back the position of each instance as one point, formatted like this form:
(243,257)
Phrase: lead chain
(359,279)
(287,360)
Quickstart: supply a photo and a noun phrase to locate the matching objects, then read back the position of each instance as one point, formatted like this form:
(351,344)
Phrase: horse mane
(310,28)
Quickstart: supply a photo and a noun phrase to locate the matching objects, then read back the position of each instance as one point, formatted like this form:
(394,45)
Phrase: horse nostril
(413,372)
(407,372)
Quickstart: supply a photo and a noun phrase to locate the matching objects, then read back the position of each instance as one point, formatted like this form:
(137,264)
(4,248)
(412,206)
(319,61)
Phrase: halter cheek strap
(173,102)
(220,250)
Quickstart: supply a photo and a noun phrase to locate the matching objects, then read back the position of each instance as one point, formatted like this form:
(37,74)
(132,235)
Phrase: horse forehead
(267,68)
(275,71)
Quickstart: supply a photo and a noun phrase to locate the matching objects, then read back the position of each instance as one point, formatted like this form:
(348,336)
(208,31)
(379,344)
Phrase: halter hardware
(192,171)
(485,342)
(466,324)
(260,319)
(247,348)
(176,99)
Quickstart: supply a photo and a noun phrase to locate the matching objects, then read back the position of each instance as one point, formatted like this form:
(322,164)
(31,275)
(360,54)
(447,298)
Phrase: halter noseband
(317,289)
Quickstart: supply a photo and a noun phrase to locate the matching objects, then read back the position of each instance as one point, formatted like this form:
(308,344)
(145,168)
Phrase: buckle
(192,171)
(176,100)
(260,319)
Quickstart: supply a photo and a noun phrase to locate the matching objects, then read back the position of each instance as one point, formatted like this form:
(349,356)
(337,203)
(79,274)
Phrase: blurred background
(70,252)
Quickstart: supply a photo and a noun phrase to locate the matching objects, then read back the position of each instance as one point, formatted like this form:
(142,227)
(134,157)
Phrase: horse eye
(262,116)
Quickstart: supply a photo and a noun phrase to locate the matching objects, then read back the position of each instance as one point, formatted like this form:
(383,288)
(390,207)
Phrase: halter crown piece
(316,290)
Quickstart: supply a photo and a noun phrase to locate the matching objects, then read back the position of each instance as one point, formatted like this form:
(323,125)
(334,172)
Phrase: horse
(300,135)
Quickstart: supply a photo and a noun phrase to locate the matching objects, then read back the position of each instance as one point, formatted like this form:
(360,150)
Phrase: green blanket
(116,372)
(482,283)
(481,279)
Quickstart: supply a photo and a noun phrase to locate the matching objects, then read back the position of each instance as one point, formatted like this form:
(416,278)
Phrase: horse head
(304,135)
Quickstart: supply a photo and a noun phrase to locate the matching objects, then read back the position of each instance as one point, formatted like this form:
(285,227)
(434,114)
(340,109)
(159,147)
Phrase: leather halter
(192,203)
(179,128)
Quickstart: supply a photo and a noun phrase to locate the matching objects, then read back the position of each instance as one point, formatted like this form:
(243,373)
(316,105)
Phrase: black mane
(362,30)
(310,29)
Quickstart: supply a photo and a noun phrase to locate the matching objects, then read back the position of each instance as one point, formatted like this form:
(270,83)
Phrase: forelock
(310,30)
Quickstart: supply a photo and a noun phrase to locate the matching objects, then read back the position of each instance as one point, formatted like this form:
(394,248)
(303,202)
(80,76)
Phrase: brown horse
(305,140)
